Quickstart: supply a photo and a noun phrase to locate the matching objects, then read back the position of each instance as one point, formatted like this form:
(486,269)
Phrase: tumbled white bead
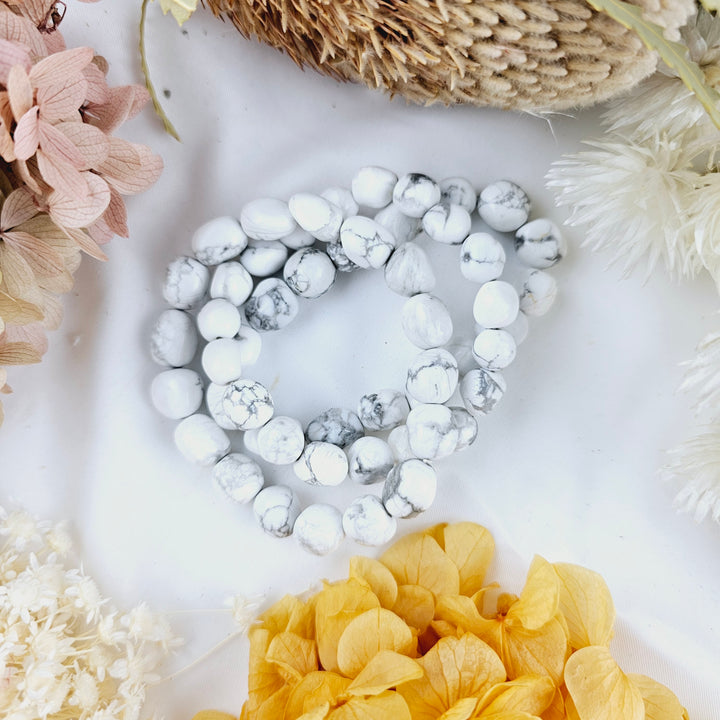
(399,442)
(339,257)
(200,440)
(496,304)
(297,239)
(367,522)
(232,282)
(519,328)
(186,281)
(176,393)
(322,463)
(481,390)
(403,227)
(276,509)
(467,427)
(366,243)
(322,219)
(239,477)
(459,191)
(460,347)
(482,258)
(447,223)
(338,426)
(494,349)
(309,273)
(319,528)
(214,400)
(343,198)
(504,206)
(173,341)
(540,243)
(263,257)
(426,321)
(218,318)
(281,440)
(247,403)
(432,376)
(250,343)
(373,186)
(383,410)
(218,240)
(431,431)
(409,272)
(409,489)
(415,194)
(222,360)
(538,293)
(370,459)
(272,305)
(267,219)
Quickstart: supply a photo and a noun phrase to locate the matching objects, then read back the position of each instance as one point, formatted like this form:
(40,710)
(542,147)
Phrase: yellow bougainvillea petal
(386,670)
(318,713)
(661,703)
(529,693)
(416,606)
(367,634)
(314,690)
(540,598)
(295,656)
(461,710)
(277,618)
(387,706)
(509,715)
(437,533)
(417,559)
(587,605)
(378,577)
(556,709)
(471,548)
(213,715)
(540,652)
(335,606)
(461,612)
(263,677)
(599,689)
(274,707)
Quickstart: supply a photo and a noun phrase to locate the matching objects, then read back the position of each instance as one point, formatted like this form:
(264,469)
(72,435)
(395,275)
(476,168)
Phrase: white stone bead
(322,219)
(482,258)
(221,360)
(250,342)
(247,403)
(186,281)
(504,206)
(338,426)
(366,243)
(200,440)
(281,440)
(173,341)
(367,522)
(239,477)
(383,410)
(322,463)
(176,393)
(447,223)
(214,400)
(232,282)
(459,191)
(538,293)
(263,257)
(218,240)
(373,186)
(496,304)
(218,318)
(409,272)
(272,306)
(267,219)
(415,194)
(297,239)
(319,528)
(519,328)
(276,509)
(467,427)
(494,349)
(481,390)
(409,489)
(402,227)
(460,347)
(309,273)
(343,198)
(250,441)
(370,459)
(336,252)
(399,442)
(432,376)
(540,243)
(431,431)
(426,321)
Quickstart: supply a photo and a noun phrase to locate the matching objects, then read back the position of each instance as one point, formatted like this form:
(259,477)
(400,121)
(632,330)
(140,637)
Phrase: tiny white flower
(244,610)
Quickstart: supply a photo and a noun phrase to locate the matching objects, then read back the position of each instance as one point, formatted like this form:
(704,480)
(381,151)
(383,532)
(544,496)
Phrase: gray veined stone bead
(337,254)
(316,215)
(218,318)
(467,427)
(280,440)
(504,206)
(432,376)
(319,528)
(383,410)
(214,401)
(272,305)
(415,194)
(338,426)
(218,240)
(481,390)
(494,349)
(373,186)
(538,293)
(459,191)
(322,463)
(247,404)
(410,488)
(232,282)
(297,239)
(426,321)
(409,272)
(540,243)
(402,227)
(432,432)
(200,440)
(343,198)
(447,223)
(367,243)
(482,258)
(399,442)
(370,459)
(267,219)
(367,522)
(239,477)
(173,341)
(276,509)
(309,273)
(263,257)
(186,281)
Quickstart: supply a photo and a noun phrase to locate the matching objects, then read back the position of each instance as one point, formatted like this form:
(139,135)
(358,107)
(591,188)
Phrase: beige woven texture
(520,54)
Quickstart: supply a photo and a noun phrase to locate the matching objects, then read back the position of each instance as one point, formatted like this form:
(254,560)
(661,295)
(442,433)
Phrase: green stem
(169,128)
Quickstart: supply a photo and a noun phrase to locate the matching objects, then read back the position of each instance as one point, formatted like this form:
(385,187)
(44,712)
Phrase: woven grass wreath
(511,54)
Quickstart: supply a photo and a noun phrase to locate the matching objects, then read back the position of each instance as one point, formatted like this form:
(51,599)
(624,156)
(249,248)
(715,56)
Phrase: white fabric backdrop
(566,467)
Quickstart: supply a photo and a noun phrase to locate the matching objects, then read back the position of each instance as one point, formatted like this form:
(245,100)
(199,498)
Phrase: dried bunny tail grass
(512,54)
(703,375)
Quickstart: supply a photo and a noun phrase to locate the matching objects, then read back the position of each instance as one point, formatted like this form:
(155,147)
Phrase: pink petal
(64,64)
(86,243)
(33,335)
(53,311)
(7,146)
(20,92)
(22,31)
(92,143)
(130,168)
(62,100)
(26,172)
(44,260)
(71,212)
(110,115)
(98,91)
(18,207)
(54,42)
(58,145)
(116,215)
(27,134)
(62,176)
(100,232)
(12,54)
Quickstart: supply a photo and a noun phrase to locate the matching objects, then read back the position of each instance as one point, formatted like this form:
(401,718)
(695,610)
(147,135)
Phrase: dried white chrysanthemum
(703,375)
(65,652)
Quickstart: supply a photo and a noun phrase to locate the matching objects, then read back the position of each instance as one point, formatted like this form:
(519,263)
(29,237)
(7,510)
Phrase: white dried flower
(703,375)
(244,610)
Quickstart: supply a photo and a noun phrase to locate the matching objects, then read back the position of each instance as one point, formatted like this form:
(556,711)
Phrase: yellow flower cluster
(418,635)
